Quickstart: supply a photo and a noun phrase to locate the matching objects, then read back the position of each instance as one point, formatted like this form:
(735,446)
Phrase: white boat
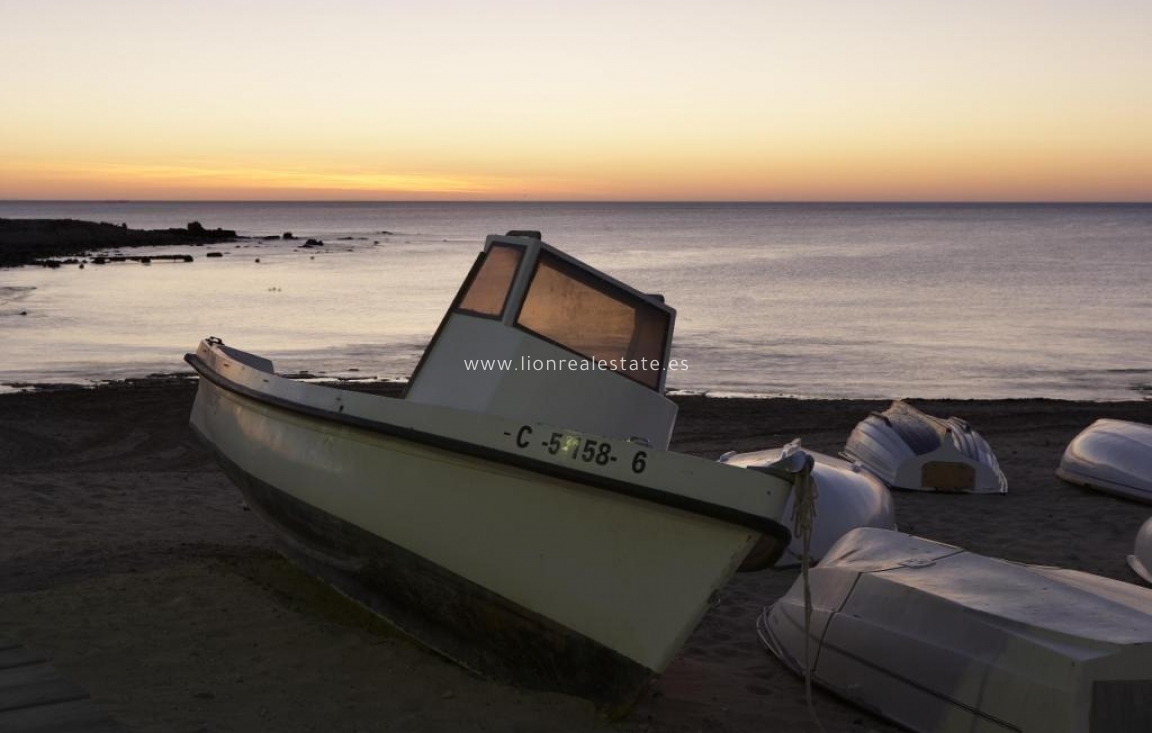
(940,640)
(525,519)
(908,449)
(1113,456)
(847,497)
(1141,558)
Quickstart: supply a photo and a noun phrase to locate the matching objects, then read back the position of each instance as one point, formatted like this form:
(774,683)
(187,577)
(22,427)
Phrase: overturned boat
(908,449)
(1113,456)
(1141,558)
(941,640)
(517,510)
(847,497)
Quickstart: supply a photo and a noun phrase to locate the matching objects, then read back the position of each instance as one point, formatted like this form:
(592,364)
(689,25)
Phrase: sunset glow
(631,100)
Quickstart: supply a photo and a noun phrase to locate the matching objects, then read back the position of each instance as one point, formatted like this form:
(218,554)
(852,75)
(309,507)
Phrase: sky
(633,100)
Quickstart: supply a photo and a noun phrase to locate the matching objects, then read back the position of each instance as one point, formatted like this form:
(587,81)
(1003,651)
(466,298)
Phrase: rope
(803,516)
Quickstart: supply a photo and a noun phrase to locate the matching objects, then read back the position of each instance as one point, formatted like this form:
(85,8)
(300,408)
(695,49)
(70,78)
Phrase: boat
(1114,456)
(908,449)
(940,640)
(847,497)
(1141,558)
(517,510)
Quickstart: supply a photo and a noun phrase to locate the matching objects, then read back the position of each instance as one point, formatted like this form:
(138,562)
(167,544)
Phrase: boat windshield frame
(517,293)
(477,268)
(608,287)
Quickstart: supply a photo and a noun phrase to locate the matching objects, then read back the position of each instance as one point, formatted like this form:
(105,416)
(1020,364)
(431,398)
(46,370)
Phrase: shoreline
(370,384)
(129,560)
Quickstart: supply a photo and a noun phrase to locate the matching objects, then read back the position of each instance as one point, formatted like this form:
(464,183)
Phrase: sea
(812,300)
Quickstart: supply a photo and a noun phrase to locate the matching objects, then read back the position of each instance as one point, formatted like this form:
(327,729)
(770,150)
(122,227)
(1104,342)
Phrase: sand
(129,560)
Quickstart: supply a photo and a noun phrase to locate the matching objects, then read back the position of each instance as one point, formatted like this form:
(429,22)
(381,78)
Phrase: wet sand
(129,560)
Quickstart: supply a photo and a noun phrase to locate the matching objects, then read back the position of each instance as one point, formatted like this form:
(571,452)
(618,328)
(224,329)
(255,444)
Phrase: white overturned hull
(1141,558)
(944,641)
(908,449)
(1114,456)
(526,552)
(847,498)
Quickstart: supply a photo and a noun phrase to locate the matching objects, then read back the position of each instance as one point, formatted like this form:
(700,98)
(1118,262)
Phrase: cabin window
(577,310)
(488,291)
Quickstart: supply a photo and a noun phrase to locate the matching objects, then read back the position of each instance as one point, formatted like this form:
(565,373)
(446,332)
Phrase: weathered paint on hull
(532,579)
(465,622)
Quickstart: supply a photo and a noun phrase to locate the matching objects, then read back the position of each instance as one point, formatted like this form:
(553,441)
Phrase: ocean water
(811,300)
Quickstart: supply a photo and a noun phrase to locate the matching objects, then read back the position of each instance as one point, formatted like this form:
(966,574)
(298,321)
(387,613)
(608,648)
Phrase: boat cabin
(537,335)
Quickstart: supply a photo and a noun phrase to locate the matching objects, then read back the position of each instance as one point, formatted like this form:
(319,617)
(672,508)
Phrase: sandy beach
(129,560)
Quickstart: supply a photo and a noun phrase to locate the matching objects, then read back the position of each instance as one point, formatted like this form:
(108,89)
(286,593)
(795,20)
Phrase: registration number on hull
(578,448)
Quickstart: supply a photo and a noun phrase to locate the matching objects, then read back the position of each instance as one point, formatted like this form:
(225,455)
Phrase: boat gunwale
(757,523)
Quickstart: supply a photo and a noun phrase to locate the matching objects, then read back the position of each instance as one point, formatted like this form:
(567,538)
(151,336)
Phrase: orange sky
(631,100)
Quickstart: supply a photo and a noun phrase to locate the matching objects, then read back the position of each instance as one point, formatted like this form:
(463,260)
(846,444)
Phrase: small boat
(1113,456)
(908,449)
(1141,558)
(518,510)
(847,497)
(940,640)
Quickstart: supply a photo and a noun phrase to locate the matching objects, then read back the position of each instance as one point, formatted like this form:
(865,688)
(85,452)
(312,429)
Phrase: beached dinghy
(1113,456)
(523,518)
(908,449)
(941,640)
(1141,558)
(847,497)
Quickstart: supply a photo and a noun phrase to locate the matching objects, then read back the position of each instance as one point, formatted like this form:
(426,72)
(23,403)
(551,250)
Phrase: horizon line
(841,202)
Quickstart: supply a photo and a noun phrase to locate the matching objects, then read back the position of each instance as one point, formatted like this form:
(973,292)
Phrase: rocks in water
(142,259)
(27,241)
(195,233)
(215,254)
(313,243)
(287,235)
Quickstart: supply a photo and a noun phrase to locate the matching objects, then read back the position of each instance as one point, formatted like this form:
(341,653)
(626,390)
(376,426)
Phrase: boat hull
(940,640)
(526,576)
(1141,558)
(908,449)
(441,610)
(847,497)
(1114,456)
